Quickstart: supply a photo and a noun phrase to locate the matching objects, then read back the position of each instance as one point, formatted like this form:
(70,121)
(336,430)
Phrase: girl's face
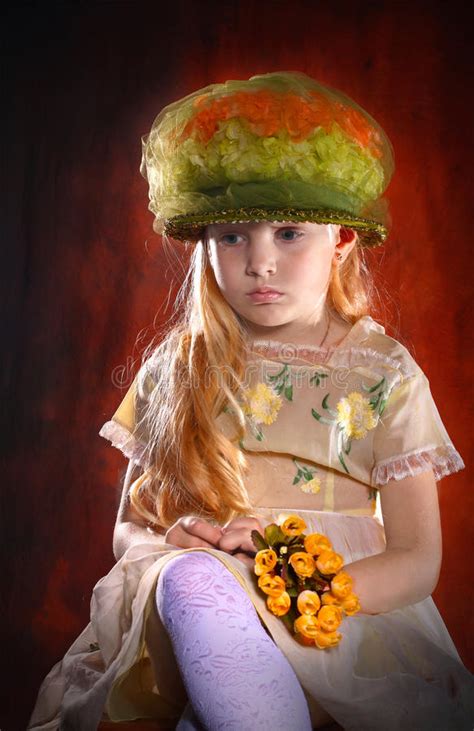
(292,258)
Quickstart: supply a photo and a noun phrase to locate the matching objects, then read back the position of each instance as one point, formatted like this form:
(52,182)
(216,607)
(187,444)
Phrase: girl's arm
(408,570)
(130,528)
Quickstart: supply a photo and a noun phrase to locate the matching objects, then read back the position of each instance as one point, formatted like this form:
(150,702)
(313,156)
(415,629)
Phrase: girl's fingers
(249,523)
(199,528)
(192,532)
(180,538)
(234,539)
(194,542)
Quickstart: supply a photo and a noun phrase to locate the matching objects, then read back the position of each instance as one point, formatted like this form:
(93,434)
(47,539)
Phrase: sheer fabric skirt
(400,666)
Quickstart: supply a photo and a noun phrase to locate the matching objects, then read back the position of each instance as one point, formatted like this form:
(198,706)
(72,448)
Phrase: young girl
(275,393)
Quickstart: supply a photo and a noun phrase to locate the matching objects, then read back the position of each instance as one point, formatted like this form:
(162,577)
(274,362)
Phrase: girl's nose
(261,257)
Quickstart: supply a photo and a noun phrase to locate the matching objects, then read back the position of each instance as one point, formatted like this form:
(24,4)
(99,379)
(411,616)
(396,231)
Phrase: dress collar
(287,350)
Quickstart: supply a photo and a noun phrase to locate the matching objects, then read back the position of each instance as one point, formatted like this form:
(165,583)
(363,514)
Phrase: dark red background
(85,277)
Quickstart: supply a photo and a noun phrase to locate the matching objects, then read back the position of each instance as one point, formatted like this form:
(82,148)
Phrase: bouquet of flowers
(302,578)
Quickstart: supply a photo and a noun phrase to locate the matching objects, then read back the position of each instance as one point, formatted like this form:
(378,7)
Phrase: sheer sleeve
(127,428)
(410,437)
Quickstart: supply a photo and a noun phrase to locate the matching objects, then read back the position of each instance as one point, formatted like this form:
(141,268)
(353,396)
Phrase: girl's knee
(188,574)
(190,563)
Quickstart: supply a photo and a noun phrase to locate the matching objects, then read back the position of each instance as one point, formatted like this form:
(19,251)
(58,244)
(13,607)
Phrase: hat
(278,147)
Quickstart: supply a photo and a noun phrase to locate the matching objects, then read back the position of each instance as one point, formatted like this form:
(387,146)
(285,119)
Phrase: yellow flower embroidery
(310,483)
(355,415)
(262,404)
(313,486)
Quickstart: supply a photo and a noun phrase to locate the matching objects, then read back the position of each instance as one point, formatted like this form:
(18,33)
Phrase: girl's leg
(188,721)
(234,674)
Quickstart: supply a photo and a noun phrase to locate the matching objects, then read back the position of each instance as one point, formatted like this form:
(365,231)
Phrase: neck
(315,334)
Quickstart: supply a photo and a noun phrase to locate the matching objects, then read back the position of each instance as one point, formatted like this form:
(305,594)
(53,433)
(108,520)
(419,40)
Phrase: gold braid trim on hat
(190,227)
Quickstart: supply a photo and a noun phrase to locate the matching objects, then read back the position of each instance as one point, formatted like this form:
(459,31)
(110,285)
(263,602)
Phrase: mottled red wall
(84,274)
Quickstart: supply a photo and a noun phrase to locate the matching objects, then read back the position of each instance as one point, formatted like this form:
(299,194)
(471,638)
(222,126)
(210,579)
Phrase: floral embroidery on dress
(282,382)
(310,484)
(316,379)
(355,415)
(373,497)
(263,402)
(262,405)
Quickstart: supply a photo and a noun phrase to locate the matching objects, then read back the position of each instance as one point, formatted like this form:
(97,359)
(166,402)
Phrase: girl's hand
(236,539)
(192,532)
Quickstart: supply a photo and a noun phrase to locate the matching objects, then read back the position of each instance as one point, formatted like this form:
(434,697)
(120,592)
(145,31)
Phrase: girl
(275,392)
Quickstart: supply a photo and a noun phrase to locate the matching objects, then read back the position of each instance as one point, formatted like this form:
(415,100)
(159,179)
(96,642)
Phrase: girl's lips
(264,296)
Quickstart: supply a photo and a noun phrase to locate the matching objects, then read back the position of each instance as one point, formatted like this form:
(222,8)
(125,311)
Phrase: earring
(339,256)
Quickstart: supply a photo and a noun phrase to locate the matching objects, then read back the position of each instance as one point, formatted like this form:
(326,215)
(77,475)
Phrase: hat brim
(191,227)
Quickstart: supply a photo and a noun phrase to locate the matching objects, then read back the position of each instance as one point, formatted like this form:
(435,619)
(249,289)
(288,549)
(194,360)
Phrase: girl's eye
(287,234)
(229,239)
(290,234)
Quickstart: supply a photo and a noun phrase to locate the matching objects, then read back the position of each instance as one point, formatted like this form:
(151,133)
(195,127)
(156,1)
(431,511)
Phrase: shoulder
(155,363)
(386,350)
(148,373)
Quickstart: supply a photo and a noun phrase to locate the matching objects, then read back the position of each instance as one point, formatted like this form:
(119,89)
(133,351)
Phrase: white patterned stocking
(234,674)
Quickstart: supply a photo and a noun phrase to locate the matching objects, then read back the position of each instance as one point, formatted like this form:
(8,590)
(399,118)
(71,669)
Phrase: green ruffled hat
(278,147)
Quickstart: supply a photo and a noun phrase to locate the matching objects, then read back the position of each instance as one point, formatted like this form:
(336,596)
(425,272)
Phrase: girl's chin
(265,322)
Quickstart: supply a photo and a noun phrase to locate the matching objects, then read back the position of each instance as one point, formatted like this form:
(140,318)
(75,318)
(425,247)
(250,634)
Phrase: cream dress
(326,428)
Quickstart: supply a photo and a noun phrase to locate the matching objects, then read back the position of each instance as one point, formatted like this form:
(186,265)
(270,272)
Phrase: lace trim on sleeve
(444,460)
(123,440)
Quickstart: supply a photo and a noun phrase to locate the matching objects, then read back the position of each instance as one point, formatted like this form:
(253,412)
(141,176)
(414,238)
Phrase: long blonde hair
(198,370)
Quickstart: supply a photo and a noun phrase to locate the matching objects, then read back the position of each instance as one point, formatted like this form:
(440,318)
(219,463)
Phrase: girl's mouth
(264,296)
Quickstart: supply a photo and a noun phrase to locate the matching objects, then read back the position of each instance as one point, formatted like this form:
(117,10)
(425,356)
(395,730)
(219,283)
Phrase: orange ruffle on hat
(279,147)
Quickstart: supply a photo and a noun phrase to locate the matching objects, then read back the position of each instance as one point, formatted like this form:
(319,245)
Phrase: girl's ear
(347,241)
(346,235)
